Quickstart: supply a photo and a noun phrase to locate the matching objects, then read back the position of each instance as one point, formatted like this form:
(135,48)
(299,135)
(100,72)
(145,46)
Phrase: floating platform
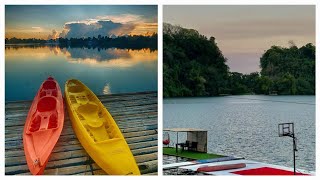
(251,168)
(135,113)
(227,165)
(190,162)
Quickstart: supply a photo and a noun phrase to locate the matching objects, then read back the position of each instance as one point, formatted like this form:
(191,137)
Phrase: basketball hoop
(287,129)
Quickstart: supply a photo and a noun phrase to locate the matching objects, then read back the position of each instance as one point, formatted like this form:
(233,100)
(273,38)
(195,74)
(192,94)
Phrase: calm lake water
(247,126)
(104,71)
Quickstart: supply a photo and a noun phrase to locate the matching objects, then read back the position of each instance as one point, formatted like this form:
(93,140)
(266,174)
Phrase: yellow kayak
(97,131)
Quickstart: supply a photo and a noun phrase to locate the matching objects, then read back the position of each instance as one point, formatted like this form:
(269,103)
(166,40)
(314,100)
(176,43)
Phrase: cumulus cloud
(93,28)
(54,35)
(64,33)
(111,25)
(123,30)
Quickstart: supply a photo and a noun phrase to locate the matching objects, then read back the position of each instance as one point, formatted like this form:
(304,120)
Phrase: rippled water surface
(104,71)
(247,126)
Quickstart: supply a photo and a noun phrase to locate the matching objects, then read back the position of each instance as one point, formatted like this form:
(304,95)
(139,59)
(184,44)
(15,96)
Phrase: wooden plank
(10,129)
(21,111)
(67,155)
(69,132)
(135,114)
(12,118)
(17,142)
(114,102)
(133,146)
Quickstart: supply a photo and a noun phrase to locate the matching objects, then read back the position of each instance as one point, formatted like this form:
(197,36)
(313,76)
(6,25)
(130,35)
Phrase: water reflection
(107,57)
(107,89)
(36,52)
(110,57)
(104,71)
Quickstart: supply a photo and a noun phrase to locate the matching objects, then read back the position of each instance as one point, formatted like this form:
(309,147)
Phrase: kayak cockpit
(46,115)
(96,123)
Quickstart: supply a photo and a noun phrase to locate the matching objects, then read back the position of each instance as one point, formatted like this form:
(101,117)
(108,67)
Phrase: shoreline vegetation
(122,42)
(194,66)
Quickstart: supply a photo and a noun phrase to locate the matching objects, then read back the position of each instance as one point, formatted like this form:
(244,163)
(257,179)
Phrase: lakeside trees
(133,42)
(193,65)
(291,70)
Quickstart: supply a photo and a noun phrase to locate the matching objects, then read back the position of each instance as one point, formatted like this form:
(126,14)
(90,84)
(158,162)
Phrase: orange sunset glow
(40,22)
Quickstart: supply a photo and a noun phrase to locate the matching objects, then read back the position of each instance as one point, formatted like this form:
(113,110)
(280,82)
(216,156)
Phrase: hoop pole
(294,151)
(294,155)
(289,134)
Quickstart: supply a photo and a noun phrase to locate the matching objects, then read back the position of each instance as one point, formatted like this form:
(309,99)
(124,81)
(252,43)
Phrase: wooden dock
(135,113)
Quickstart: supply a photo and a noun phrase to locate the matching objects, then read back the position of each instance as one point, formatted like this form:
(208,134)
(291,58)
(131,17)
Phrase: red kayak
(43,125)
(221,167)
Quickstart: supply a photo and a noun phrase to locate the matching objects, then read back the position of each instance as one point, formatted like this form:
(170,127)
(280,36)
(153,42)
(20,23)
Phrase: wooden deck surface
(135,113)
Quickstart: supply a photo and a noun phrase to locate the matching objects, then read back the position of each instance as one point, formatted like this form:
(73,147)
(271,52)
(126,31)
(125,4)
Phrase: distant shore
(221,95)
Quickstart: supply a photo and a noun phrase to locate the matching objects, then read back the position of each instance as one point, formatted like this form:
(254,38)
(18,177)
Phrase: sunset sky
(244,32)
(78,21)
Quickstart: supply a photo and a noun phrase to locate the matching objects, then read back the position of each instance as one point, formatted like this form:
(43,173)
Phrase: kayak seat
(46,104)
(90,113)
(95,125)
(45,116)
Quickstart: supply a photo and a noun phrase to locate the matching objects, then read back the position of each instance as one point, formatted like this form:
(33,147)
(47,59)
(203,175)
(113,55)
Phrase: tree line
(193,65)
(132,42)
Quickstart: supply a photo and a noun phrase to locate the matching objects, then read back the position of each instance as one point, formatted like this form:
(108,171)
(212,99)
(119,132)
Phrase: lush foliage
(290,70)
(193,65)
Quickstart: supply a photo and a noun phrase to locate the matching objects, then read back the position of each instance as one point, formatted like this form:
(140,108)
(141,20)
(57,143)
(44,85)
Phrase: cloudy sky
(244,32)
(78,21)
